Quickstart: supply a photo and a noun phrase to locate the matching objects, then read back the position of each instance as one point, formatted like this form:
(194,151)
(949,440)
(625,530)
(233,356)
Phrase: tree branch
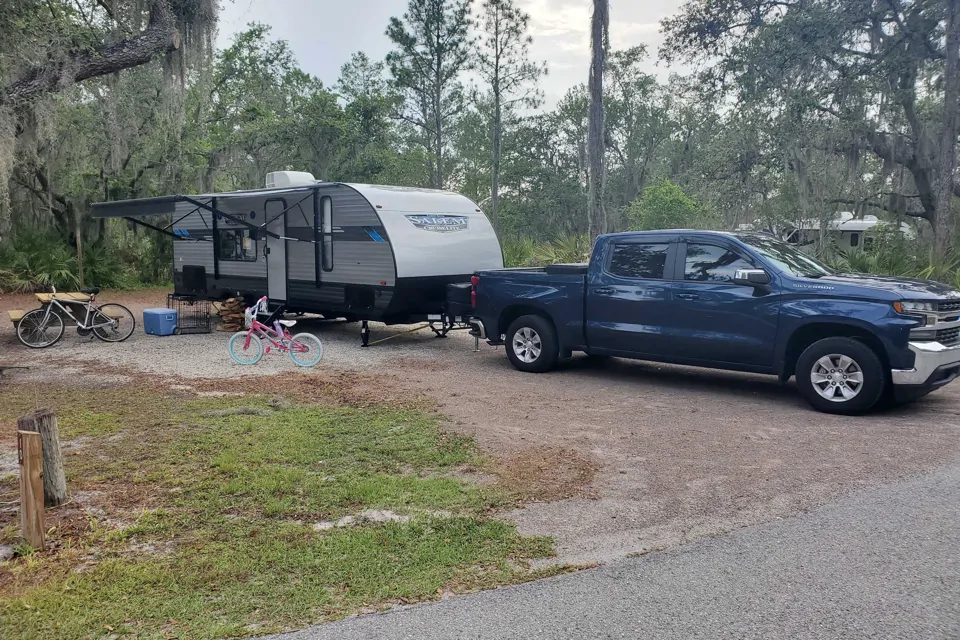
(912,213)
(160,36)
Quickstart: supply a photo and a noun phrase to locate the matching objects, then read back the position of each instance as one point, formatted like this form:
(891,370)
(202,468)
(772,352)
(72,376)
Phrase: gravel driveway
(680,454)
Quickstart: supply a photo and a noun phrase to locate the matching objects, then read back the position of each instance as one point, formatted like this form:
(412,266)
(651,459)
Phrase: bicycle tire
(54,320)
(237,341)
(104,333)
(315,352)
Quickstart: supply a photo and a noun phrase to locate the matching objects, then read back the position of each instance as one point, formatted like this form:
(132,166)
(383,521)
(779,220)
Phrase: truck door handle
(605,291)
(688,296)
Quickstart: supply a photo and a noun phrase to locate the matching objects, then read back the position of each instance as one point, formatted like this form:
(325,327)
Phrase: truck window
(710,263)
(638,260)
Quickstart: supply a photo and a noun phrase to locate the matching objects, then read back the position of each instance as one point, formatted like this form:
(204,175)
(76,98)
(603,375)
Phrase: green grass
(227,547)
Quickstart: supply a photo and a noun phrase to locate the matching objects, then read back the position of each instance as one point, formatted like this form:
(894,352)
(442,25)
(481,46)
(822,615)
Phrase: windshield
(785,257)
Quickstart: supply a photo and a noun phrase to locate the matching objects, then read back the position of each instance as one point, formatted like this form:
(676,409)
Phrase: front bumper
(934,366)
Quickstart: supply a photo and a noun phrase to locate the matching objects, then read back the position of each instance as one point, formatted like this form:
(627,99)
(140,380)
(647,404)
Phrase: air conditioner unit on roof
(281,179)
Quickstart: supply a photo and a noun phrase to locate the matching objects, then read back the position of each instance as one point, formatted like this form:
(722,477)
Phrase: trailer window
(326,217)
(236,244)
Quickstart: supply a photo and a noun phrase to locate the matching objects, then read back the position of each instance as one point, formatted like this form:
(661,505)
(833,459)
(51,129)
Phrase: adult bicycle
(44,327)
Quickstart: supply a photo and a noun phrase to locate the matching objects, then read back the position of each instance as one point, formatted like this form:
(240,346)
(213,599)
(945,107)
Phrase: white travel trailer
(845,231)
(358,251)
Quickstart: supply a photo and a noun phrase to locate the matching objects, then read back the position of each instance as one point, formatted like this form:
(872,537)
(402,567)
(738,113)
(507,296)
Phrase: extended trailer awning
(167,205)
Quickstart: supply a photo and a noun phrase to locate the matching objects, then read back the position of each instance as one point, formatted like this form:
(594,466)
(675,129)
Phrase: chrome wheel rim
(527,345)
(837,378)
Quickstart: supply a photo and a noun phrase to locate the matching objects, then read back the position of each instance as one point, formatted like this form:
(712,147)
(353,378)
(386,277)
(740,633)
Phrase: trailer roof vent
(281,179)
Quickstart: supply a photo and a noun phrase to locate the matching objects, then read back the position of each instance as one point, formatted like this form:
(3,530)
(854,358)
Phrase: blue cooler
(160,322)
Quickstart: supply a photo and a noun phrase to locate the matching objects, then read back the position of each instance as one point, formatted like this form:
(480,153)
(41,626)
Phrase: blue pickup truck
(738,301)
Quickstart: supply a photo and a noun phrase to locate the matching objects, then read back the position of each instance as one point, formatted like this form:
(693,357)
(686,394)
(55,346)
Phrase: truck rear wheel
(532,344)
(840,375)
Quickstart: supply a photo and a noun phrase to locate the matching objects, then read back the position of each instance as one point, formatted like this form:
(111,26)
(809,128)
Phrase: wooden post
(30,455)
(44,421)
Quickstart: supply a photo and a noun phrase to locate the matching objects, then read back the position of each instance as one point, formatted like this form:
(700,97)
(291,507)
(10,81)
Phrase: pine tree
(503,61)
(432,49)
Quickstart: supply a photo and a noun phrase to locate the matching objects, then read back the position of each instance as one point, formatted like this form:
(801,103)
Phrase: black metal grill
(948,305)
(948,337)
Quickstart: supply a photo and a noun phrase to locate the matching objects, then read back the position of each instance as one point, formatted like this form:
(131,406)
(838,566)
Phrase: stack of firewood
(231,314)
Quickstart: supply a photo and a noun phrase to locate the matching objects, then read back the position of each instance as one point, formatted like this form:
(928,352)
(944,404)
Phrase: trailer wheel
(532,344)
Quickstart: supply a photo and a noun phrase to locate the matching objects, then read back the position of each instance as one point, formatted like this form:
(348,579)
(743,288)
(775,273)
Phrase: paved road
(884,563)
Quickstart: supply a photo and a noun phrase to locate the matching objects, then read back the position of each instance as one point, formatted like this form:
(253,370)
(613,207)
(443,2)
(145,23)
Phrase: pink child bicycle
(246,347)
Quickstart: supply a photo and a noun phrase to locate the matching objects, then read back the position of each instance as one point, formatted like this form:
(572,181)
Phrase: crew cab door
(712,318)
(628,297)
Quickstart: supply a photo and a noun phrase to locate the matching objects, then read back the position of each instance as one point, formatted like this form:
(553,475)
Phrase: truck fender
(804,333)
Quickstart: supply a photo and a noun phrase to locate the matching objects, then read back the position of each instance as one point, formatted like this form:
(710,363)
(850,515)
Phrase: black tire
(535,331)
(120,314)
(864,397)
(31,322)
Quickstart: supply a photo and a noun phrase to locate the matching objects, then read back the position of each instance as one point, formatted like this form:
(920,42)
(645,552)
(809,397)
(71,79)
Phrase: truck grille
(948,305)
(948,337)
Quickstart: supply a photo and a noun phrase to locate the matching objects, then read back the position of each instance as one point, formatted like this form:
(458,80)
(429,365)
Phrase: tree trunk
(79,239)
(438,113)
(595,136)
(160,36)
(44,422)
(439,143)
(495,182)
(943,225)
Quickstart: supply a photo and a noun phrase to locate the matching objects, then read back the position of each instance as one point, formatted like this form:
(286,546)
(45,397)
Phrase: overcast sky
(323,33)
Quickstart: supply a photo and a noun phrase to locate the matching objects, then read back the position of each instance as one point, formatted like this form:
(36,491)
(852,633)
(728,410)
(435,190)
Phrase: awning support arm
(295,204)
(164,231)
(232,217)
(170,226)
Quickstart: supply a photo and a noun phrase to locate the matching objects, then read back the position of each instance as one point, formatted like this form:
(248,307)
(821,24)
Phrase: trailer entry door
(276,251)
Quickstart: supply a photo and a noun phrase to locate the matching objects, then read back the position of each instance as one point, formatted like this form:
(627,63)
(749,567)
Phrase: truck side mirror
(751,277)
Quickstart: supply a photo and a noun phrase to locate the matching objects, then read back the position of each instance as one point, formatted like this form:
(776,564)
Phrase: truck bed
(557,289)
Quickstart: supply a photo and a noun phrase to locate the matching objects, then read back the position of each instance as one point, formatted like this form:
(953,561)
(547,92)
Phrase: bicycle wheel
(243,352)
(305,349)
(37,331)
(122,322)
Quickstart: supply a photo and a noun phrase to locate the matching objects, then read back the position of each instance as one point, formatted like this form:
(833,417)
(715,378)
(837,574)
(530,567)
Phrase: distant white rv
(845,230)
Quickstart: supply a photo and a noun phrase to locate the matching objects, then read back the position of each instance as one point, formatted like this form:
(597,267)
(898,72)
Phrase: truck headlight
(906,306)
(924,335)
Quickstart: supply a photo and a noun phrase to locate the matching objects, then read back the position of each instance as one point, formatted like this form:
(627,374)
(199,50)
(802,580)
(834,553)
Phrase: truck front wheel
(840,375)
(532,344)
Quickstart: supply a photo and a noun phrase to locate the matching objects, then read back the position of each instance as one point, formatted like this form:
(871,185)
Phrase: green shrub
(519,253)
(569,249)
(664,205)
(36,261)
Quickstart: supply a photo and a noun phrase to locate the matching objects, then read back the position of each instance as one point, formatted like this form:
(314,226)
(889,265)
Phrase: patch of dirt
(415,364)
(344,388)
(545,474)
(239,411)
(369,516)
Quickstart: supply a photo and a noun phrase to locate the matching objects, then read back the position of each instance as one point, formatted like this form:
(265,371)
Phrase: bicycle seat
(91,291)
(288,323)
